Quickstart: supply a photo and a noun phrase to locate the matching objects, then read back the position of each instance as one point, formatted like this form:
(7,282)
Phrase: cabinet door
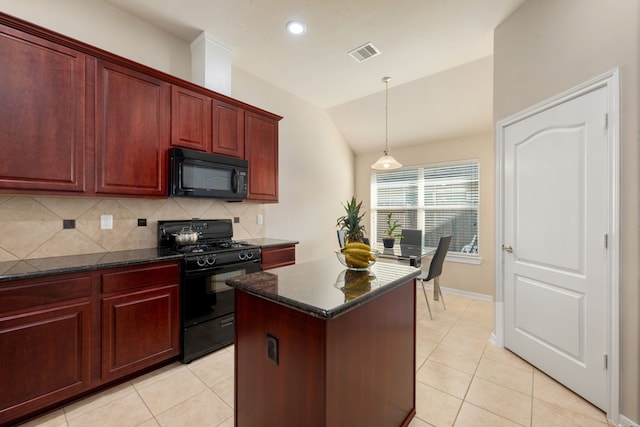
(132,132)
(46,357)
(228,129)
(190,119)
(261,148)
(42,114)
(139,329)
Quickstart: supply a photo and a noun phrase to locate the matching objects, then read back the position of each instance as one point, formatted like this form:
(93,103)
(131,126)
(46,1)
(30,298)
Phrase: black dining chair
(411,237)
(435,269)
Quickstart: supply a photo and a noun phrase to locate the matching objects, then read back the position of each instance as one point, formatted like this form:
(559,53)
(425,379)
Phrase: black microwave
(197,174)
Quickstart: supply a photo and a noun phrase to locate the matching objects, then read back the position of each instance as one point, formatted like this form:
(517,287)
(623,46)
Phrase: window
(437,199)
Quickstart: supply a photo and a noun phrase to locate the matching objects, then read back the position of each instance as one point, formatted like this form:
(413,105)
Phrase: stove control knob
(242,255)
(211,260)
(249,254)
(201,261)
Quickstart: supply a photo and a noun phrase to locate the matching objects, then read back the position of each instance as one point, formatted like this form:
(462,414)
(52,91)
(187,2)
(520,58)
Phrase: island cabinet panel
(298,377)
(228,129)
(140,318)
(45,343)
(132,131)
(190,119)
(273,257)
(42,114)
(356,369)
(261,151)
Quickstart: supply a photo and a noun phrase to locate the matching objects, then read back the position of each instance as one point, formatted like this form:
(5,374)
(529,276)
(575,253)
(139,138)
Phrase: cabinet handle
(507,249)
(226,322)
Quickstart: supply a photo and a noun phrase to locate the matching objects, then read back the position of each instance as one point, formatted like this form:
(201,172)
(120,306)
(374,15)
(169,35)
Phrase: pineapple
(351,221)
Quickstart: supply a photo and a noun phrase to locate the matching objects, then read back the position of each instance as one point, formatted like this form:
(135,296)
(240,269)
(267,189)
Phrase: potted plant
(392,226)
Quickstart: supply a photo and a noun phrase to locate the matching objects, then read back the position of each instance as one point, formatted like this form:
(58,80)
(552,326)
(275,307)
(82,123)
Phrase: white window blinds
(439,200)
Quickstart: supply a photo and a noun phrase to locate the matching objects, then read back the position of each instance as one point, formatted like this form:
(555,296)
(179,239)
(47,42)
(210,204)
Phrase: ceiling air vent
(364,52)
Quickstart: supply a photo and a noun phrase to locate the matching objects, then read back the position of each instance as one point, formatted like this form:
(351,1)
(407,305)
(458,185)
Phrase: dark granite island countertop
(319,346)
(323,288)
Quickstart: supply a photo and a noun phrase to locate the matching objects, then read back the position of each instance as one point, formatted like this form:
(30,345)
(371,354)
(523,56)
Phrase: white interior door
(554,235)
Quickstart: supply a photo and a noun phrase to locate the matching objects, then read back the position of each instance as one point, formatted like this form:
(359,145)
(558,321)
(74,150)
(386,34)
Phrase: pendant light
(386,161)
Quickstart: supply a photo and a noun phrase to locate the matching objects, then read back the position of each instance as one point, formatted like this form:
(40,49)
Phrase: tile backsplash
(32,227)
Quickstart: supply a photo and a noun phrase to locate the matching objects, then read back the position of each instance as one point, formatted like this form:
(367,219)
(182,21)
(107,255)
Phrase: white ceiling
(435,51)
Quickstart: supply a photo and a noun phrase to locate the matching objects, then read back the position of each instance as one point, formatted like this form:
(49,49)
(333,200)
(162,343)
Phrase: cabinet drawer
(278,257)
(33,293)
(131,278)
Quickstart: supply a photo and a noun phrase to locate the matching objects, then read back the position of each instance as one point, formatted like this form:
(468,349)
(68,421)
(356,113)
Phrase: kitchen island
(319,345)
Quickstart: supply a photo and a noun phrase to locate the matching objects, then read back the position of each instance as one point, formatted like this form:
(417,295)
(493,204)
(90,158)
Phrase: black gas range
(207,316)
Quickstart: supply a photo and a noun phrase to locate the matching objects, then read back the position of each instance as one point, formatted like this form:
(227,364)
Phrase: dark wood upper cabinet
(261,150)
(42,114)
(190,119)
(132,131)
(75,119)
(228,129)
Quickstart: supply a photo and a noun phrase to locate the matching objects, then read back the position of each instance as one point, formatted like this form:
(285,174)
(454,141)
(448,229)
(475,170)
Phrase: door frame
(610,80)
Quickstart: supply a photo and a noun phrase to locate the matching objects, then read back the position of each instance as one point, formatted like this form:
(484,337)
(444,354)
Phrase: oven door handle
(229,321)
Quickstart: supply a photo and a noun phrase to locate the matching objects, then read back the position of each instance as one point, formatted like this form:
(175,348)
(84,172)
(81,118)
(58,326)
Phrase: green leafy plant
(392,226)
(351,221)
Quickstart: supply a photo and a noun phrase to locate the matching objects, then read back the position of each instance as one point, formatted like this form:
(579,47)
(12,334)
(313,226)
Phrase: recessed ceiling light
(296,27)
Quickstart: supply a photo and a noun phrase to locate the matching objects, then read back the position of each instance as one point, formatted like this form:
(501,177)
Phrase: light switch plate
(106,222)
(259,219)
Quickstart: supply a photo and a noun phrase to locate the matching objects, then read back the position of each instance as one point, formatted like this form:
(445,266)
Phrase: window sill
(464,259)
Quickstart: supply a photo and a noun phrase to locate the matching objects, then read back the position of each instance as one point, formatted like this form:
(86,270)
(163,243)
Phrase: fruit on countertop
(357,254)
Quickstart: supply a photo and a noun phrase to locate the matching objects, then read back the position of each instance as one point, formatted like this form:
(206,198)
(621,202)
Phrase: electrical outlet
(236,220)
(259,219)
(68,223)
(106,222)
(272,349)
(142,222)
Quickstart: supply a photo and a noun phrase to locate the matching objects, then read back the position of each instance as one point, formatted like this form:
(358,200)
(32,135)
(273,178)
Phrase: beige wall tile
(31,227)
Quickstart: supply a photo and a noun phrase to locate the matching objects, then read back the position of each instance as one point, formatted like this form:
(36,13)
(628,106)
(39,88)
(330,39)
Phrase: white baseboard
(452,291)
(626,422)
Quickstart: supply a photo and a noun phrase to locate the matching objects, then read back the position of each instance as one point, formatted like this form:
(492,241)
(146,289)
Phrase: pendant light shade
(386,161)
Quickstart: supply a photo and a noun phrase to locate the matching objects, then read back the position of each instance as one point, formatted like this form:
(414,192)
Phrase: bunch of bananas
(357,254)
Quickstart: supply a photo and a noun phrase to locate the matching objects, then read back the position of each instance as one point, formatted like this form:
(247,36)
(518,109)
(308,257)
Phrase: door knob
(507,249)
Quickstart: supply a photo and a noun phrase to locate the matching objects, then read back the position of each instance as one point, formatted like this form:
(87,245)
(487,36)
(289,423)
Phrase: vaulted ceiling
(437,52)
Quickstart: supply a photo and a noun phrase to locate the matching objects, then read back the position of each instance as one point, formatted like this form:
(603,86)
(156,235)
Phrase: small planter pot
(388,242)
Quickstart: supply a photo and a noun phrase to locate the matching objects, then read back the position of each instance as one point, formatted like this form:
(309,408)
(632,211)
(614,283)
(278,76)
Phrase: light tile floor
(462,381)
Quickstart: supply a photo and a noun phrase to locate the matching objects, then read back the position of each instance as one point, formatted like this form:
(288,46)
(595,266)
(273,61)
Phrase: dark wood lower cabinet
(66,335)
(273,257)
(357,369)
(139,329)
(46,330)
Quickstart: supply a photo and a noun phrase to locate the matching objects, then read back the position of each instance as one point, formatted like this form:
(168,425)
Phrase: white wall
(549,46)
(316,168)
(316,165)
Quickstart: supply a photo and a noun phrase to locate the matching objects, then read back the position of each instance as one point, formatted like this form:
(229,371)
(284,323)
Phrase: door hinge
(606,241)
(606,361)
(606,121)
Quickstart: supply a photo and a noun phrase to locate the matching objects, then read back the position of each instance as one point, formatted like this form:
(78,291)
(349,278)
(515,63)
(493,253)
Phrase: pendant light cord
(386,115)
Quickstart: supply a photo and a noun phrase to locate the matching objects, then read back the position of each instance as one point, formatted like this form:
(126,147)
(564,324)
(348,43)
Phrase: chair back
(435,269)
(341,235)
(411,237)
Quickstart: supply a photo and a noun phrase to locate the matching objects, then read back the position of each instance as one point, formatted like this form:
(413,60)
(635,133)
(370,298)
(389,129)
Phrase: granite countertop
(39,267)
(323,288)
(266,242)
